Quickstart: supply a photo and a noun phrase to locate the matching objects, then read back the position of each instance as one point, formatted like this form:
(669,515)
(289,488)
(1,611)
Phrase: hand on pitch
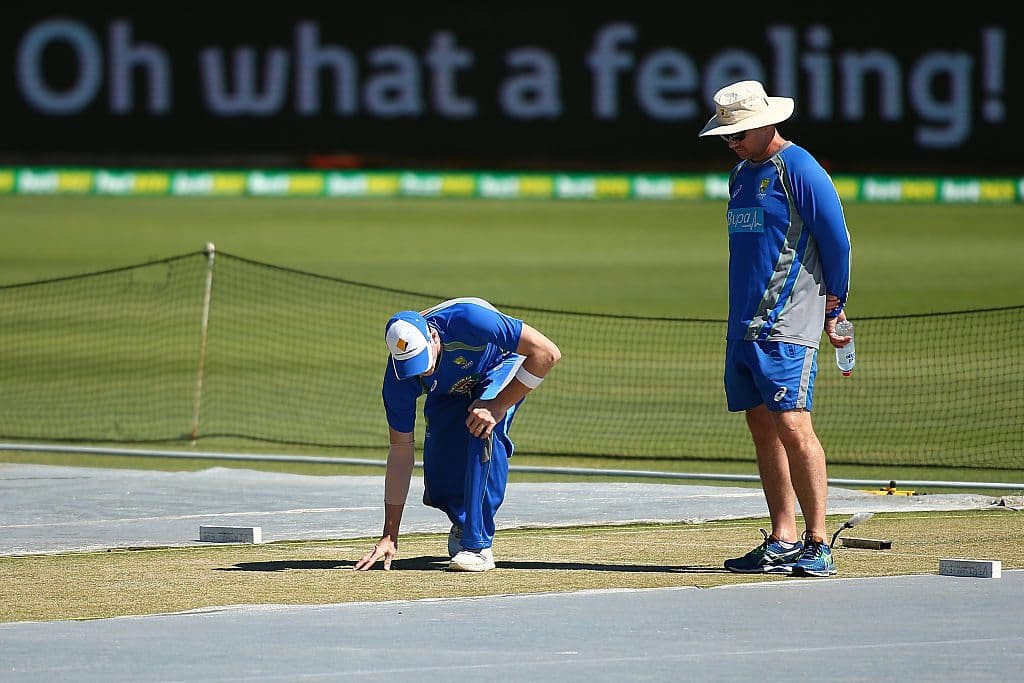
(483,416)
(384,549)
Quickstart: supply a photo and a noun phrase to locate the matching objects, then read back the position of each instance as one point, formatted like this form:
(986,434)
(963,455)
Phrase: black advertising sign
(613,86)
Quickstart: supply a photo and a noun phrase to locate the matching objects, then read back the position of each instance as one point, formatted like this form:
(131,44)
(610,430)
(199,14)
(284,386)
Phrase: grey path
(45,509)
(916,628)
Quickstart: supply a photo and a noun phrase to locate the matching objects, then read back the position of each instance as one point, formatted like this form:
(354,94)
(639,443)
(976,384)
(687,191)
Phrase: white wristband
(528,378)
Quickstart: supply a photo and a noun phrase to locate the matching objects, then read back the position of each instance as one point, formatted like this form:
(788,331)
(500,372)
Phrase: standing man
(789,276)
(476,365)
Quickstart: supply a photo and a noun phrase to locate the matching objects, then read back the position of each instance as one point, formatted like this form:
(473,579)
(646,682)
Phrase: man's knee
(795,429)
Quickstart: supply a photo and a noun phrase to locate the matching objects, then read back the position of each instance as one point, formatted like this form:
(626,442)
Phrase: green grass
(650,258)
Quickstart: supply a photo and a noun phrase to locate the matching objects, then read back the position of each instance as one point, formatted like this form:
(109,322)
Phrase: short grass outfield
(650,258)
(657,258)
(95,585)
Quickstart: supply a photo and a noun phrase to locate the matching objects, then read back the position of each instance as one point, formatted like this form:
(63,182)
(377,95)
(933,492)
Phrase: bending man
(476,365)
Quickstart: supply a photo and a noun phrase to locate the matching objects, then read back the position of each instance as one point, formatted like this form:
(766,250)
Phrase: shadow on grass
(603,567)
(411,563)
(426,563)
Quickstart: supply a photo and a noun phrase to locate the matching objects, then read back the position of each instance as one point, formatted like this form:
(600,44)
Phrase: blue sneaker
(771,557)
(816,559)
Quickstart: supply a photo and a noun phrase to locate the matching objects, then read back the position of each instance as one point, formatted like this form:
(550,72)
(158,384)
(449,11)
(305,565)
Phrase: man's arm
(833,239)
(819,205)
(540,354)
(401,461)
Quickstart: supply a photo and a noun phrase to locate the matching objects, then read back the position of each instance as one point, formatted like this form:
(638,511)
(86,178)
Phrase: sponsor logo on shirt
(745,220)
(464,385)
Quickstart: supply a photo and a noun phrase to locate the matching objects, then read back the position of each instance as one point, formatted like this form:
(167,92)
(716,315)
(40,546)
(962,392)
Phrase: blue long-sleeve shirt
(788,247)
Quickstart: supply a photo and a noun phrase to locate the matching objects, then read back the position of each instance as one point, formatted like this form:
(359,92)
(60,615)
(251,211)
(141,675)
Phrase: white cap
(408,340)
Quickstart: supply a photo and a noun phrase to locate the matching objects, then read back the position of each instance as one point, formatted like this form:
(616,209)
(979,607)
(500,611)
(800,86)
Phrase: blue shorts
(777,374)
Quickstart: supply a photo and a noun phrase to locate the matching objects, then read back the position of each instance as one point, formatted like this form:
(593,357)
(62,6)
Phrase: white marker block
(981,569)
(231,534)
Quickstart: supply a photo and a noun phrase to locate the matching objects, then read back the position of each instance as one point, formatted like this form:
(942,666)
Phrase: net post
(210,252)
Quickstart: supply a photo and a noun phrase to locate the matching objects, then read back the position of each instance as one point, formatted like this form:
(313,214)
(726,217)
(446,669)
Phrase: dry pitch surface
(161,580)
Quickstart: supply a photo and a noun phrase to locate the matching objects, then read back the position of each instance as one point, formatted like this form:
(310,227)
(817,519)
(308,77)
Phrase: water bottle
(846,356)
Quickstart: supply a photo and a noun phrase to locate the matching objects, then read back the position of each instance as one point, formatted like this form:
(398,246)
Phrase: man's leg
(444,458)
(774,468)
(806,467)
(487,465)
(486,479)
(781,548)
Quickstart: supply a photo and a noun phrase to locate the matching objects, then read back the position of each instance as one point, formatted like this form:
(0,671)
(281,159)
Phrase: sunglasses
(734,137)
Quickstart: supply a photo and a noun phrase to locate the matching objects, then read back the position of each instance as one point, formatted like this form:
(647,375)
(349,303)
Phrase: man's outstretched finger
(369,559)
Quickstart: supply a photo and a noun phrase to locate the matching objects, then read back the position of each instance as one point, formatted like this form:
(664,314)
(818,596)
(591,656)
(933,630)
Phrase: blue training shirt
(788,246)
(475,338)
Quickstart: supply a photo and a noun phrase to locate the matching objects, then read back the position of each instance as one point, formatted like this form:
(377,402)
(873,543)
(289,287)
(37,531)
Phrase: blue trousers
(465,476)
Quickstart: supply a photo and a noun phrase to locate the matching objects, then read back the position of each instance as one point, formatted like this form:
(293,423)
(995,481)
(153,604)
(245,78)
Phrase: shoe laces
(763,548)
(768,540)
(812,546)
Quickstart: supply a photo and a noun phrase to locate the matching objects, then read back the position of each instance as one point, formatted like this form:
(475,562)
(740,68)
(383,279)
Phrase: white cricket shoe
(472,561)
(454,541)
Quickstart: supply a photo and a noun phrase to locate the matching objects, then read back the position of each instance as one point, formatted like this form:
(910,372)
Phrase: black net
(296,358)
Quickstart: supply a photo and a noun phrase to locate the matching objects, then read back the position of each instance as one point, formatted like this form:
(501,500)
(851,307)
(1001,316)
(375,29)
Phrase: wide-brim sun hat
(745,106)
(408,339)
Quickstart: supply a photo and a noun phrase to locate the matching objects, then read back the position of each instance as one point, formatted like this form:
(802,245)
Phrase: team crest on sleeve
(464,385)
